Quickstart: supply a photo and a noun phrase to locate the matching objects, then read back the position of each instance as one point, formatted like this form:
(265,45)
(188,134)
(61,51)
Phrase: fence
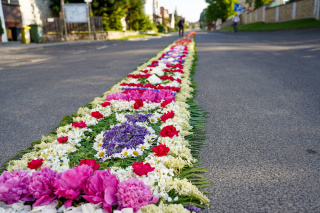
(287,12)
(55,25)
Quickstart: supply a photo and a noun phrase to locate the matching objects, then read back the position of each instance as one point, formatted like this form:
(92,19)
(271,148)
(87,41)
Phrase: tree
(222,9)
(136,19)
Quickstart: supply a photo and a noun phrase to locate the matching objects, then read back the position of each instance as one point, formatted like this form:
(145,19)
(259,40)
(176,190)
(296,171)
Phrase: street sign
(237,7)
(88,1)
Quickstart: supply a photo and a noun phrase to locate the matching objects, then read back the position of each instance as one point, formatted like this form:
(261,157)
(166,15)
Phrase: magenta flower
(166,95)
(72,182)
(149,96)
(133,193)
(14,187)
(102,187)
(133,95)
(116,96)
(41,186)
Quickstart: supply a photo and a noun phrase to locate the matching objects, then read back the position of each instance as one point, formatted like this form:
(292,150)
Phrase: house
(165,17)
(30,11)
(152,9)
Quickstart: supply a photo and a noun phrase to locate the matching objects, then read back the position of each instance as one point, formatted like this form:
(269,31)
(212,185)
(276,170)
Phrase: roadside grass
(261,26)
(136,36)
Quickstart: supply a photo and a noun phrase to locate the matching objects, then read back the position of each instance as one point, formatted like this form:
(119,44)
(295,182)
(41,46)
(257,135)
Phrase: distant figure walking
(236,21)
(181,27)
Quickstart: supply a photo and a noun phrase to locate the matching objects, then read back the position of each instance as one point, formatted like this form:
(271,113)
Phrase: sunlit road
(262,91)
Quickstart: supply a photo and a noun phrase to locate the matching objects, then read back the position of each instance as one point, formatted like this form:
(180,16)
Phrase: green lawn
(137,36)
(261,26)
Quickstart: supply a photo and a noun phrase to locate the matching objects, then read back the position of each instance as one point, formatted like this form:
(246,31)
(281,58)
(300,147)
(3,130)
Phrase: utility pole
(93,24)
(62,16)
(88,11)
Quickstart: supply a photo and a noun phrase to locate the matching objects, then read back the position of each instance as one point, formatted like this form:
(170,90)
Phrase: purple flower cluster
(123,136)
(193,208)
(133,118)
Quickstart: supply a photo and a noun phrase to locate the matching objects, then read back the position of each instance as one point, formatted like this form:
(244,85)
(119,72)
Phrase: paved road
(261,89)
(263,94)
(40,86)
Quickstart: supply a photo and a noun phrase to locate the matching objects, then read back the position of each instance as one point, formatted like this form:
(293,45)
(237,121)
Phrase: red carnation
(90,162)
(34,164)
(138,103)
(165,103)
(169,131)
(63,139)
(166,116)
(142,169)
(80,124)
(96,115)
(105,104)
(161,150)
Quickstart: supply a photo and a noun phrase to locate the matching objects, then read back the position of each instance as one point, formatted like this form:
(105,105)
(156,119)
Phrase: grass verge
(136,36)
(261,26)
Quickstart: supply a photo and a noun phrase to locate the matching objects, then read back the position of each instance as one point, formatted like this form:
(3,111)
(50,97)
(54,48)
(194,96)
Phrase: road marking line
(99,48)
(78,52)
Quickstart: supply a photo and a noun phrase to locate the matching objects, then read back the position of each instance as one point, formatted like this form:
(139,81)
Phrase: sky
(190,9)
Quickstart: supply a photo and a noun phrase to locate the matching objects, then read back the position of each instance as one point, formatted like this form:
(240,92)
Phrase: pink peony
(133,193)
(72,182)
(14,187)
(41,185)
(102,187)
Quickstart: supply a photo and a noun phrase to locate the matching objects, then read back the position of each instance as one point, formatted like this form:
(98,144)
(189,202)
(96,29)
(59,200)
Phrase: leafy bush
(161,28)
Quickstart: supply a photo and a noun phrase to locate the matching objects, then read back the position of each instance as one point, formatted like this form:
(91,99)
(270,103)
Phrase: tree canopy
(219,9)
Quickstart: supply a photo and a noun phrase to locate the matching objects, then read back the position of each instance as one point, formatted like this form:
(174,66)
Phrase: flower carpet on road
(132,150)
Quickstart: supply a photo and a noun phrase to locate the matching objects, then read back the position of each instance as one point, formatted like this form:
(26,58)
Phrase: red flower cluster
(105,104)
(161,150)
(96,115)
(138,103)
(90,162)
(176,89)
(165,103)
(34,164)
(142,169)
(167,77)
(169,131)
(167,116)
(144,71)
(80,124)
(139,76)
(167,70)
(154,64)
(63,139)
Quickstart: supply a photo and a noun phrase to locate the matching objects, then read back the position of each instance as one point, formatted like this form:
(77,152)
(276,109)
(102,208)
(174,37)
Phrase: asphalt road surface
(261,91)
